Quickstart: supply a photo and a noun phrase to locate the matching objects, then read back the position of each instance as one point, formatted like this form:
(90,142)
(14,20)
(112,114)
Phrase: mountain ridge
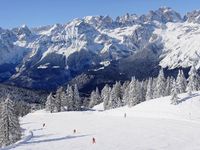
(49,56)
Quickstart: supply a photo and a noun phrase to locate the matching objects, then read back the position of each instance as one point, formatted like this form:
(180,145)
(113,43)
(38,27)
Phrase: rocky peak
(193,16)
(164,15)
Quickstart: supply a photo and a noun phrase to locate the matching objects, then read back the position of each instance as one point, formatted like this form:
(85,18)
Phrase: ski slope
(151,125)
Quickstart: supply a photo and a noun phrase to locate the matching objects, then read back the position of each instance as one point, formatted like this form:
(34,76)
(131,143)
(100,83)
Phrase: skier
(93,140)
(124,115)
(74,131)
(43,125)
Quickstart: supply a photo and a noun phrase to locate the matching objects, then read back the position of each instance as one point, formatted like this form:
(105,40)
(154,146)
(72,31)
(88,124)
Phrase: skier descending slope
(74,131)
(124,115)
(93,140)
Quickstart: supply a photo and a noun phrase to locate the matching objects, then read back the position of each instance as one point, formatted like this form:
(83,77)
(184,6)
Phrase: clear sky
(34,13)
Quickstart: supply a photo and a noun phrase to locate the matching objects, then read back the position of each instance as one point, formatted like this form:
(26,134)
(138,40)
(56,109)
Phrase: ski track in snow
(152,125)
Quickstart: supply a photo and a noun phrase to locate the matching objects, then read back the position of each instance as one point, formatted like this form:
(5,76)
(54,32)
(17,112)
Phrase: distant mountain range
(97,49)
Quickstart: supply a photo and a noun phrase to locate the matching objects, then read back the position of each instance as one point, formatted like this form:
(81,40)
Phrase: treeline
(129,93)
(10,131)
(64,100)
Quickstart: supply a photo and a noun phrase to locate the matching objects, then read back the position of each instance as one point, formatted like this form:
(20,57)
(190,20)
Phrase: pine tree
(105,95)
(154,81)
(70,99)
(169,85)
(125,97)
(124,89)
(149,94)
(98,96)
(174,99)
(160,85)
(193,80)
(10,130)
(131,92)
(22,108)
(58,100)
(116,96)
(143,91)
(181,82)
(135,94)
(50,105)
(77,99)
(95,98)
(64,100)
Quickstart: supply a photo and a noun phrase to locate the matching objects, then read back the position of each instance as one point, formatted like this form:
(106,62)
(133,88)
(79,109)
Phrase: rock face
(49,56)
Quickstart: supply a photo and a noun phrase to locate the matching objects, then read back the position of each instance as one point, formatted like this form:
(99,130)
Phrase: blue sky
(33,13)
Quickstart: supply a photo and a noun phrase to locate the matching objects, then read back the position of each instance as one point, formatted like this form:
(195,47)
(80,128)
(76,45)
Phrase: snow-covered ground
(151,125)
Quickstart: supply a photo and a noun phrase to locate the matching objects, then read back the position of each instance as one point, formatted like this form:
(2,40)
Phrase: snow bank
(187,109)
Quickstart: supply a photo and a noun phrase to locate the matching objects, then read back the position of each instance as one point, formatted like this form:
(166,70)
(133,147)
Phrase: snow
(119,33)
(42,67)
(105,63)
(101,68)
(27,136)
(99,107)
(181,44)
(56,67)
(152,125)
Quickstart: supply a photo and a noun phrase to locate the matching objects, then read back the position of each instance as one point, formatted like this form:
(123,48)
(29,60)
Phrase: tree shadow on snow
(56,139)
(187,98)
(38,129)
(26,123)
(40,136)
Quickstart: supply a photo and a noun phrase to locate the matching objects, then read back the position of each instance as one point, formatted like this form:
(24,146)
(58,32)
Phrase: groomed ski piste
(152,125)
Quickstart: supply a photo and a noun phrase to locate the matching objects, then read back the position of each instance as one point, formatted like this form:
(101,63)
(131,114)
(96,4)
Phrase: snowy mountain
(49,56)
(154,124)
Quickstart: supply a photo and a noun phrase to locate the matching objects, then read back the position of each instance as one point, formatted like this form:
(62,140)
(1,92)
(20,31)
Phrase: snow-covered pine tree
(193,80)
(92,99)
(160,85)
(123,88)
(125,98)
(58,100)
(149,93)
(22,108)
(50,103)
(105,95)
(143,89)
(154,81)
(70,99)
(86,101)
(131,92)
(98,96)
(169,85)
(181,82)
(135,94)
(140,91)
(174,99)
(116,96)
(64,99)
(10,130)
(95,98)
(77,99)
